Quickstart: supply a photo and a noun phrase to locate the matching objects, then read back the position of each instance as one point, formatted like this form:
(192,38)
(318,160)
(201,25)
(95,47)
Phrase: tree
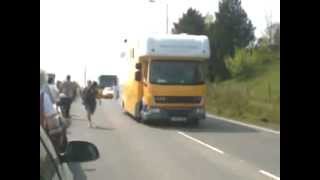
(271,32)
(192,22)
(232,29)
(277,36)
(233,26)
(268,32)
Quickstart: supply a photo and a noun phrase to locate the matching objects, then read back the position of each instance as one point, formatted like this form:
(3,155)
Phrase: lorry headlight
(199,110)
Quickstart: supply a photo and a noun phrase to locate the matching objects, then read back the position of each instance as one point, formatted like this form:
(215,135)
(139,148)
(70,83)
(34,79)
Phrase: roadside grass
(254,100)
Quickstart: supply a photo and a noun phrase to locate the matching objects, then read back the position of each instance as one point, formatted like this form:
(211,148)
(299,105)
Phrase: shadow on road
(77,171)
(103,128)
(79,119)
(90,169)
(208,125)
(75,115)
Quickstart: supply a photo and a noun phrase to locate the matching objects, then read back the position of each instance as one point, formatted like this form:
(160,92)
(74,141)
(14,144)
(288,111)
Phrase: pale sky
(79,33)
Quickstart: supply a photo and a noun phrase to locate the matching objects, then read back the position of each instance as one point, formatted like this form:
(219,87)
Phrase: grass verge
(254,100)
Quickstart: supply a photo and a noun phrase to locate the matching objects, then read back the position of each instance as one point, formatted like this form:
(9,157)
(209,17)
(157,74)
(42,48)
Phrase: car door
(50,165)
(48,169)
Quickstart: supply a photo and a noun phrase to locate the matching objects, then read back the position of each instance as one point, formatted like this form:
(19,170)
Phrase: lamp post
(85,75)
(167,17)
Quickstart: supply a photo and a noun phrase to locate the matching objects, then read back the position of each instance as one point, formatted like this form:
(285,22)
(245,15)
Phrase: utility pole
(85,75)
(167,17)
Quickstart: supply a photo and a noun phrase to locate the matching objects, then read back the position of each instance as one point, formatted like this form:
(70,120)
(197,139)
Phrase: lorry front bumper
(162,114)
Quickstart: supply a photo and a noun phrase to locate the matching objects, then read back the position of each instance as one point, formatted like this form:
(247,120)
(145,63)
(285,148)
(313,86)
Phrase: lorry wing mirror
(137,76)
(138,66)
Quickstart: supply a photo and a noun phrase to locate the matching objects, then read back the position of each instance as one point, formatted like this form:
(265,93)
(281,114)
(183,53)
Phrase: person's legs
(93,109)
(89,113)
(68,107)
(89,118)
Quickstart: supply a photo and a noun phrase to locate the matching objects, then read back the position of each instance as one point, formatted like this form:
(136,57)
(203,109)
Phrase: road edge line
(243,124)
(200,142)
(269,174)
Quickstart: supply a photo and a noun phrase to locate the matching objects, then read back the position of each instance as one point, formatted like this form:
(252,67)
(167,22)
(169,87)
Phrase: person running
(67,90)
(89,83)
(89,100)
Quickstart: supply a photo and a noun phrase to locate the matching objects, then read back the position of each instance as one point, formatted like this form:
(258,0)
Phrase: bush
(241,64)
(263,55)
(246,61)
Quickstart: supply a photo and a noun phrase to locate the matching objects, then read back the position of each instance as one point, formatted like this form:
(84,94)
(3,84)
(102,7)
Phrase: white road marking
(243,124)
(200,142)
(269,175)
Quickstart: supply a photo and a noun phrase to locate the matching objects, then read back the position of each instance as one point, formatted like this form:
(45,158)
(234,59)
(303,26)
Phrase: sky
(88,34)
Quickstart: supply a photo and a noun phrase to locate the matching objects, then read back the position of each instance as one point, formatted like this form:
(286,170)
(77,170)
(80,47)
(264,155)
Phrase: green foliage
(229,29)
(232,29)
(226,97)
(277,36)
(253,100)
(247,62)
(192,22)
(242,63)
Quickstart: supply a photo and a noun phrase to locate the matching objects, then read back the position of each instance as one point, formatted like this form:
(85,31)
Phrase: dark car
(54,166)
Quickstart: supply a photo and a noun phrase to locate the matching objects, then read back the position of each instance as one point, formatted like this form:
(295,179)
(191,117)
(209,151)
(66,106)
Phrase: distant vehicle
(106,85)
(108,92)
(54,166)
(166,81)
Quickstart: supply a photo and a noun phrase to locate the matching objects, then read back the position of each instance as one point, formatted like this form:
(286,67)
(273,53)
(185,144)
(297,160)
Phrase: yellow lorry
(166,80)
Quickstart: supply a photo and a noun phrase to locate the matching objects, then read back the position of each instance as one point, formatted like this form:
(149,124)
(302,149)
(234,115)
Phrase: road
(214,150)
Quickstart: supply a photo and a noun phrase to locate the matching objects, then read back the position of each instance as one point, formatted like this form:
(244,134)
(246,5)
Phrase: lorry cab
(167,79)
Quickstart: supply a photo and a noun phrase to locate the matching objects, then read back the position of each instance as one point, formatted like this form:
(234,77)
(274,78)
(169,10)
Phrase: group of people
(52,97)
(55,105)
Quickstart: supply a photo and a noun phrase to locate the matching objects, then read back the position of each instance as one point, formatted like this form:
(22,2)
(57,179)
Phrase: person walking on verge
(89,100)
(67,90)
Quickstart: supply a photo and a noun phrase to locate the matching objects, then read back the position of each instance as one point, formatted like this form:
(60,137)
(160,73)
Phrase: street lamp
(85,75)
(167,17)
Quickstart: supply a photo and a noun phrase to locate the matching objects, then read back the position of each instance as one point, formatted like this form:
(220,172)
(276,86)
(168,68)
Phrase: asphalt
(130,150)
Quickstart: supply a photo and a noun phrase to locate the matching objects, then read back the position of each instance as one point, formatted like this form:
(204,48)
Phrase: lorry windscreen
(176,72)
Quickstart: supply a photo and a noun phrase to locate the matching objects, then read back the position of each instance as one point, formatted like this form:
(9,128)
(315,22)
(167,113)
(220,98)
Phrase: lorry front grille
(178,99)
(180,112)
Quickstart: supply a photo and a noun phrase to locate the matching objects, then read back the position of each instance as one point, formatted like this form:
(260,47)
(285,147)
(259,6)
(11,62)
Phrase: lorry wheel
(144,121)
(137,114)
